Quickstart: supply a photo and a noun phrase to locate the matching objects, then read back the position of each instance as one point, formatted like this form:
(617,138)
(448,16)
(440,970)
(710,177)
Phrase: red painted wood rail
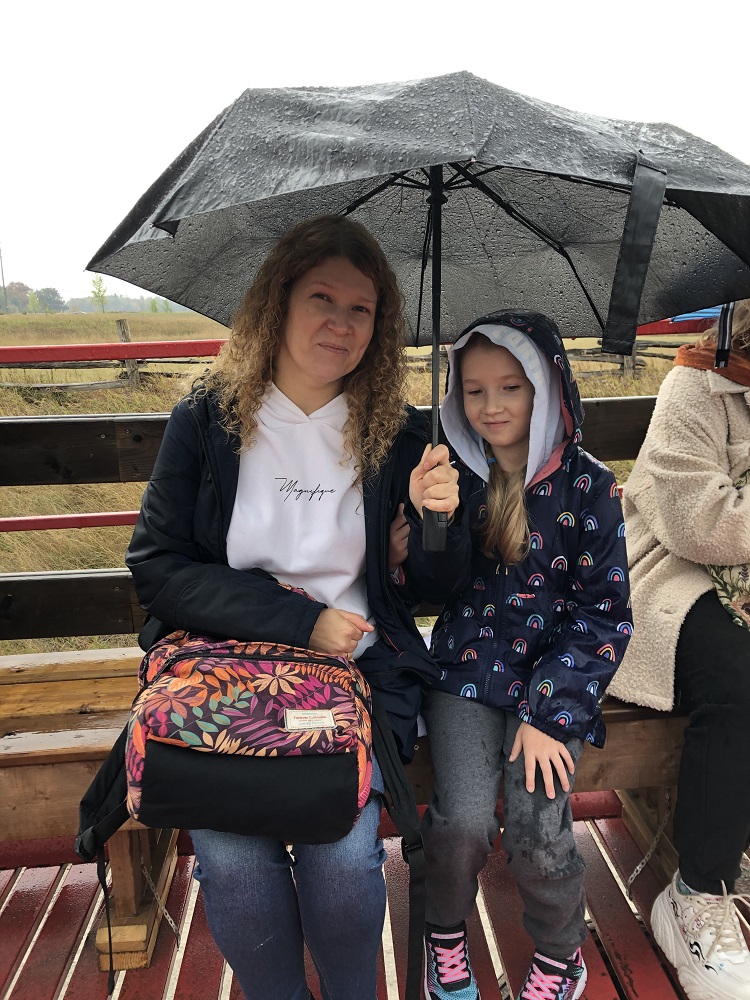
(141,350)
(43,522)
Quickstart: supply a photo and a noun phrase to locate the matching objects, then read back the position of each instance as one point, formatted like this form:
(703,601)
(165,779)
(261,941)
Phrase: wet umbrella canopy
(536,209)
(599,224)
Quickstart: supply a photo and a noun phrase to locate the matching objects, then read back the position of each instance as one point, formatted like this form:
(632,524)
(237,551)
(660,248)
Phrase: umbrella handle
(434,530)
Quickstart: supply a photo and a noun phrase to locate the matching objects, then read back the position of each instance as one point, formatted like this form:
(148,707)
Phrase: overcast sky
(98,98)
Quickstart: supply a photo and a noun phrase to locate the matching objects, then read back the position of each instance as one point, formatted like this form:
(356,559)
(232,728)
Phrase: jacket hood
(556,415)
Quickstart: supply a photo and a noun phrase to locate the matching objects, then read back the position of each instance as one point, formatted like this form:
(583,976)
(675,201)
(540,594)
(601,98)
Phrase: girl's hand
(548,753)
(398,549)
(434,482)
(337,633)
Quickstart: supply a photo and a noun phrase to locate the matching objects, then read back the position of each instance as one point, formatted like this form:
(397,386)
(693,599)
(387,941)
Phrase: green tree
(166,306)
(50,300)
(34,303)
(153,306)
(99,292)
(18,296)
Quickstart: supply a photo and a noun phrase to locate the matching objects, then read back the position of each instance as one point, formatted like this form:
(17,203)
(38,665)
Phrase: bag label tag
(298,719)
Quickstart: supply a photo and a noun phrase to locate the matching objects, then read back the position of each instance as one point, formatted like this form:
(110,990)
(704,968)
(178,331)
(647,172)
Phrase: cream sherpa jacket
(682,512)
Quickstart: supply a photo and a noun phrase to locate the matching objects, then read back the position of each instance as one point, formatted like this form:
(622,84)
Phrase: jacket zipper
(499,611)
(385,535)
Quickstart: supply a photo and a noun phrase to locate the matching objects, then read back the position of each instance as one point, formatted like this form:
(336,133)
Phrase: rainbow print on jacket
(567,597)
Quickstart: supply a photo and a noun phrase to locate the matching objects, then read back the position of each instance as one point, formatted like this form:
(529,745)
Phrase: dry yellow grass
(95,328)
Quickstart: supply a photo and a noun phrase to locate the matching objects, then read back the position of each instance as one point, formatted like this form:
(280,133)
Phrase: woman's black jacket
(178,559)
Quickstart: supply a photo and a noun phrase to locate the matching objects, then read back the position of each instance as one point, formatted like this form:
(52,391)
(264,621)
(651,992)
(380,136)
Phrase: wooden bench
(60,713)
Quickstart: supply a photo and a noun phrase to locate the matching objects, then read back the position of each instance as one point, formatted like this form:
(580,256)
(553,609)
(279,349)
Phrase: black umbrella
(600,224)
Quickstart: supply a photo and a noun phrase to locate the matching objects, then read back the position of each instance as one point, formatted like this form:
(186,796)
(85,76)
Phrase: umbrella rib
(533,227)
(569,178)
(393,180)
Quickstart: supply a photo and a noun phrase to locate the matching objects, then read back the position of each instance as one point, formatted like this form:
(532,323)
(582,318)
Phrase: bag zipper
(183,654)
(325,661)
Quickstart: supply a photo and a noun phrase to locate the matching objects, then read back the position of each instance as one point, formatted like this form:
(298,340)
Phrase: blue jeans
(262,905)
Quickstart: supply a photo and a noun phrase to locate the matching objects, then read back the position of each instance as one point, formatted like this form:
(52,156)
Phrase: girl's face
(498,400)
(329,324)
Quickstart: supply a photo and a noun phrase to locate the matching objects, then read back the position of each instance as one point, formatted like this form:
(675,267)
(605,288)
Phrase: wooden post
(137,915)
(628,363)
(131,367)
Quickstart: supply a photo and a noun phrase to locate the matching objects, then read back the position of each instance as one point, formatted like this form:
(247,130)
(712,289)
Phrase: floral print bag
(249,737)
(732,583)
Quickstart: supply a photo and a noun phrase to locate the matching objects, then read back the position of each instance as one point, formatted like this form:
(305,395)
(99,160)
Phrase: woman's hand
(548,753)
(337,632)
(434,482)
(398,548)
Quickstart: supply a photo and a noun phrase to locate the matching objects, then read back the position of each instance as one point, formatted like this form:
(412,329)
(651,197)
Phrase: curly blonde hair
(740,329)
(375,390)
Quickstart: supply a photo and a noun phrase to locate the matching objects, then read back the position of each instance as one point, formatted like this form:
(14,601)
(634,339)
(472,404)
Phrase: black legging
(712,678)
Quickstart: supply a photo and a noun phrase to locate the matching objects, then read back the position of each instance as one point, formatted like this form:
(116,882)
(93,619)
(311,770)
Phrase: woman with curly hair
(687,511)
(291,464)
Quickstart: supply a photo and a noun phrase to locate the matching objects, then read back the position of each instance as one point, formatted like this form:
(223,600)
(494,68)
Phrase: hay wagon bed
(50,907)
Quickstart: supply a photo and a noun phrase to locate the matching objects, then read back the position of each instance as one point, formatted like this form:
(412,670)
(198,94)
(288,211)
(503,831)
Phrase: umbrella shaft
(436,201)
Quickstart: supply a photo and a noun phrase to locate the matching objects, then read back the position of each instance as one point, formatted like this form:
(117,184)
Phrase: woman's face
(329,324)
(498,400)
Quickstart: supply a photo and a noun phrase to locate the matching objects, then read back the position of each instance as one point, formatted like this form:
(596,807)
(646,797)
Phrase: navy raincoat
(543,638)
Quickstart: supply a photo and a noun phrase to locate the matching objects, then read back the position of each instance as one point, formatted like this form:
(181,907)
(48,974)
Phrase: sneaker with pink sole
(553,979)
(448,974)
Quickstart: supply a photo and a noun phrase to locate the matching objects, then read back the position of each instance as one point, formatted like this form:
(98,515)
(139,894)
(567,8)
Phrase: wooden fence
(131,357)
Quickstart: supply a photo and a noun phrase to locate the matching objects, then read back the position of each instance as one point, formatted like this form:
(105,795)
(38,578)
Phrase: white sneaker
(702,938)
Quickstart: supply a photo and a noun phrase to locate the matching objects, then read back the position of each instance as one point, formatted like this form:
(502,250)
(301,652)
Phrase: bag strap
(89,841)
(101,872)
(402,808)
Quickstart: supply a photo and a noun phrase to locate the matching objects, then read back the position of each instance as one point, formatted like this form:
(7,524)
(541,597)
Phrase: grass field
(105,547)
(96,328)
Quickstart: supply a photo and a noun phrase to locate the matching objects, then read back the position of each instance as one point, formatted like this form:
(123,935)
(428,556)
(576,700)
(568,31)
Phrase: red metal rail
(668,327)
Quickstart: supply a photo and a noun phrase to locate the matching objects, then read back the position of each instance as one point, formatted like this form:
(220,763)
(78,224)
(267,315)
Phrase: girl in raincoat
(527,647)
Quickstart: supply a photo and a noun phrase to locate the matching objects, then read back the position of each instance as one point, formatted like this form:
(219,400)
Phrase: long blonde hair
(505,531)
(740,329)
(375,390)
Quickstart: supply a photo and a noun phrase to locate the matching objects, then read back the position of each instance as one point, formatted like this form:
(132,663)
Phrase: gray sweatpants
(470,744)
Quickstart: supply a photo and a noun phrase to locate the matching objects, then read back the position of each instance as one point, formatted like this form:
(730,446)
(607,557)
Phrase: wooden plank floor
(48,916)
